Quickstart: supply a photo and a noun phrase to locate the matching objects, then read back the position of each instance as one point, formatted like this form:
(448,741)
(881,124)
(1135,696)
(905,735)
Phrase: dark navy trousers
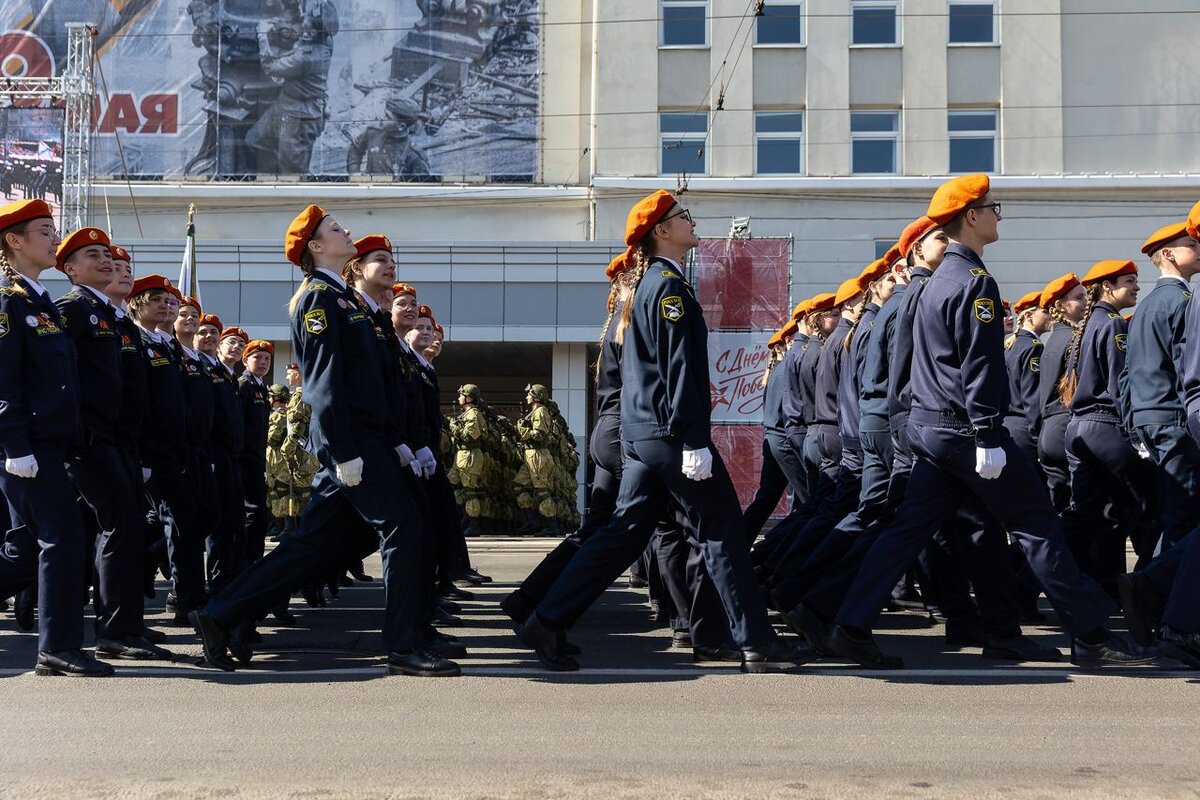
(224,543)
(1052,454)
(383,502)
(651,478)
(175,501)
(943,472)
(772,481)
(1178,457)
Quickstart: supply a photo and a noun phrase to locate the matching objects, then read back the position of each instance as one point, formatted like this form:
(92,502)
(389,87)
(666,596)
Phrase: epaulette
(319,286)
(1114,315)
(8,291)
(980,272)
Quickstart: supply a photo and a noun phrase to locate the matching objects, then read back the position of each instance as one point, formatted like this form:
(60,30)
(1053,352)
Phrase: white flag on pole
(189,282)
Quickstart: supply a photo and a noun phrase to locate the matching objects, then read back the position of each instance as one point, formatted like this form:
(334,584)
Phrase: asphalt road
(315,717)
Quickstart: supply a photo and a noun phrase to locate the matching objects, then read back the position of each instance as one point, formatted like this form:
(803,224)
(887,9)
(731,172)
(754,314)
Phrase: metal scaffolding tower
(76,88)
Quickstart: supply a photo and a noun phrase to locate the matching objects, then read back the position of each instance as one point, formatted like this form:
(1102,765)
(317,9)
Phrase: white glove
(428,462)
(989,462)
(697,464)
(405,453)
(1143,452)
(145,475)
(415,466)
(349,473)
(23,467)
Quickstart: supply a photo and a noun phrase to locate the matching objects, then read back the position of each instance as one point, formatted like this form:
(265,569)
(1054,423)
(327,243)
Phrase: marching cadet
(104,477)
(39,424)
(252,459)
(1154,366)
(771,480)
(162,441)
(1109,490)
(959,391)
(1022,358)
(343,363)
(225,544)
(665,411)
(1065,299)
(469,430)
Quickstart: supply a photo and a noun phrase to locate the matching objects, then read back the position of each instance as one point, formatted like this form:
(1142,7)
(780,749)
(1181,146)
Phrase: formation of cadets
(939,448)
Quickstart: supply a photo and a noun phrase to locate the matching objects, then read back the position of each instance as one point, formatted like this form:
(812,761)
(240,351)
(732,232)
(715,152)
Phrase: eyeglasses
(993,206)
(685,213)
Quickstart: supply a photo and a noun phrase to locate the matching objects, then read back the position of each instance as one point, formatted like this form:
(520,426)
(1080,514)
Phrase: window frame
(682,137)
(778,136)
(801,4)
(662,24)
(995,4)
(893,136)
(951,136)
(899,27)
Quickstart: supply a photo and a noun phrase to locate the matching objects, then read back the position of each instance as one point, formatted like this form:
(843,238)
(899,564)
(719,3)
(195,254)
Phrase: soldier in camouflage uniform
(506,455)
(277,473)
(538,479)
(290,468)
(568,461)
(470,434)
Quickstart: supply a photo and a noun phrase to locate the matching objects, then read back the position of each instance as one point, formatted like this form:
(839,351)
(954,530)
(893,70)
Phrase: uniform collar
(250,376)
(371,304)
(189,352)
(336,280)
(964,252)
(101,296)
(1173,278)
(1105,306)
(421,359)
(1027,332)
(37,287)
(212,362)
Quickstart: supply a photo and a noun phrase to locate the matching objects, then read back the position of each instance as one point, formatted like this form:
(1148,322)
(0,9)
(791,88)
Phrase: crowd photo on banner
(924,443)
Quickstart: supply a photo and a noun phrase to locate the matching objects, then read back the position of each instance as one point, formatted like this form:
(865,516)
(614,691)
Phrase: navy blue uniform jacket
(1101,359)
(1023,359)
(900,362)
(872,404)
(829,370)
(92,325)
(1155,357)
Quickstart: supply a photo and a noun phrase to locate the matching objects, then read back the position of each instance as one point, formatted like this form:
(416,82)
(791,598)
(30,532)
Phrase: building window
(973,22)
(874,22)
(972,141)
(780,23)
(779,138)
(684,23)
(874,142)
(682,136)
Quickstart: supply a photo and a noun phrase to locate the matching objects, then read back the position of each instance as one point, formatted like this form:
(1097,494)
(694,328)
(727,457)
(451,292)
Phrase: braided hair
(307,267)
(772,360)
(1070,378)
(614,292)
(6,266)
(641,262)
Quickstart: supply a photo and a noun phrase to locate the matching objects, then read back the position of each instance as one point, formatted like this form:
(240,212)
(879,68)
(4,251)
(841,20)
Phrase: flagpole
(193,288)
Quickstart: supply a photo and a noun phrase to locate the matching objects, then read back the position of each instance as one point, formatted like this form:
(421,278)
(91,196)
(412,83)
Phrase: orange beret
(84,237)
(119,253)
(801,309)
(403,288)
(193,302)
(874,270)
(892,255)
(424,311)
(776,338)
(1193,227)
(849,288)
(1057,288)
(211,319)
(617,266)
(1107,270)
(790,329)
(914,232)
(645,214)
(1027,301)
(438,329)
(371,243)
(300,231)
(258,346)
(178,295)
(821,302)
(234,330)
(148,282)
(953,197)
(1007,305)
(22,211)
(1165,235)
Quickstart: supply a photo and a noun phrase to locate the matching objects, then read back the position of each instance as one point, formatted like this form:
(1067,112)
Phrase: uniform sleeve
(683,355)
(1030,384)
(317,337)
(297,61)
(979,332)
(1113,354)
(539,433)
(276,429)
(73,317)
(14,412)
(471,427)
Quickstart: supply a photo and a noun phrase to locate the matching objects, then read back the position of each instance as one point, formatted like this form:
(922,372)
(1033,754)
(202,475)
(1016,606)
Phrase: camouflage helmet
(278,391)
(470,390)
(539,392)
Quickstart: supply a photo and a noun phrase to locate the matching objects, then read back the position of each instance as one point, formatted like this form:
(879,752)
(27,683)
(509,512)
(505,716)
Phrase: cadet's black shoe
(965,633)
(345,580)
(448,605)
(444,619)
(724,655)
(443,644)
(516,606)
(807,624)
(1140,603)
(74,663)
(283,615)
(171,605)
(637,582)
(681,639)
(23,605)
(775,657)
(861,649)
(332,584)
(1019,648)
(152,636)
(1183,646)
(133,648)
(239,642)
(566,647)
(421,663)
(449,590)
(314,595)
(215,640)
(466,578)
(474,575)
(361,576)
(1115,651)
(544,642)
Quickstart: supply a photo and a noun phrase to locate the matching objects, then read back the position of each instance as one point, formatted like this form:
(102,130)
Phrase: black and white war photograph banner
(414,90)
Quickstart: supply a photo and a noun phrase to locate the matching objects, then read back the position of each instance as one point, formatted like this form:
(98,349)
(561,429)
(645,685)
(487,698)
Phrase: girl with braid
(1064,298)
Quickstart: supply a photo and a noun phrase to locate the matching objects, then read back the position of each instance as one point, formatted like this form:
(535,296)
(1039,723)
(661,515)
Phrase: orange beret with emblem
(1193,221)
(84,237)
(148,282)
(119,253)
(234,330)
(258,346)
(301,231)
(1028,300)
(371,243)
(213,320)
(439,330)
(1057,289)
(1108,270)
(1164,236)
(188,300)
(403,288)
(23,211)
(955,195)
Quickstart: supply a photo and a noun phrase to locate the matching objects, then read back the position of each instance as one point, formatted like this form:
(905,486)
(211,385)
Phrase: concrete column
(569,378)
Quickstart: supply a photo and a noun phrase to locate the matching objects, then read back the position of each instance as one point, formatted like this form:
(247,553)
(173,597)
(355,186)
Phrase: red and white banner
(736,363)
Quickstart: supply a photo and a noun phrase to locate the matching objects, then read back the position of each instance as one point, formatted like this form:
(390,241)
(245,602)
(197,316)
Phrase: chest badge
(985,310)
(315,322)
(672,308)
(31,321)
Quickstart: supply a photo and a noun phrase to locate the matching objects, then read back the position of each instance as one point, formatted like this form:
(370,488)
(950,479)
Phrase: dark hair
(1070,379)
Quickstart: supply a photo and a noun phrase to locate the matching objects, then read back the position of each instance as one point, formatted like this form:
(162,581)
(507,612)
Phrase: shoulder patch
(1186,293)
(1035,364)
(666,273)
(4,326)
(315,322)
(672,308)
(1121,340)
(980,272)
(985,309)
